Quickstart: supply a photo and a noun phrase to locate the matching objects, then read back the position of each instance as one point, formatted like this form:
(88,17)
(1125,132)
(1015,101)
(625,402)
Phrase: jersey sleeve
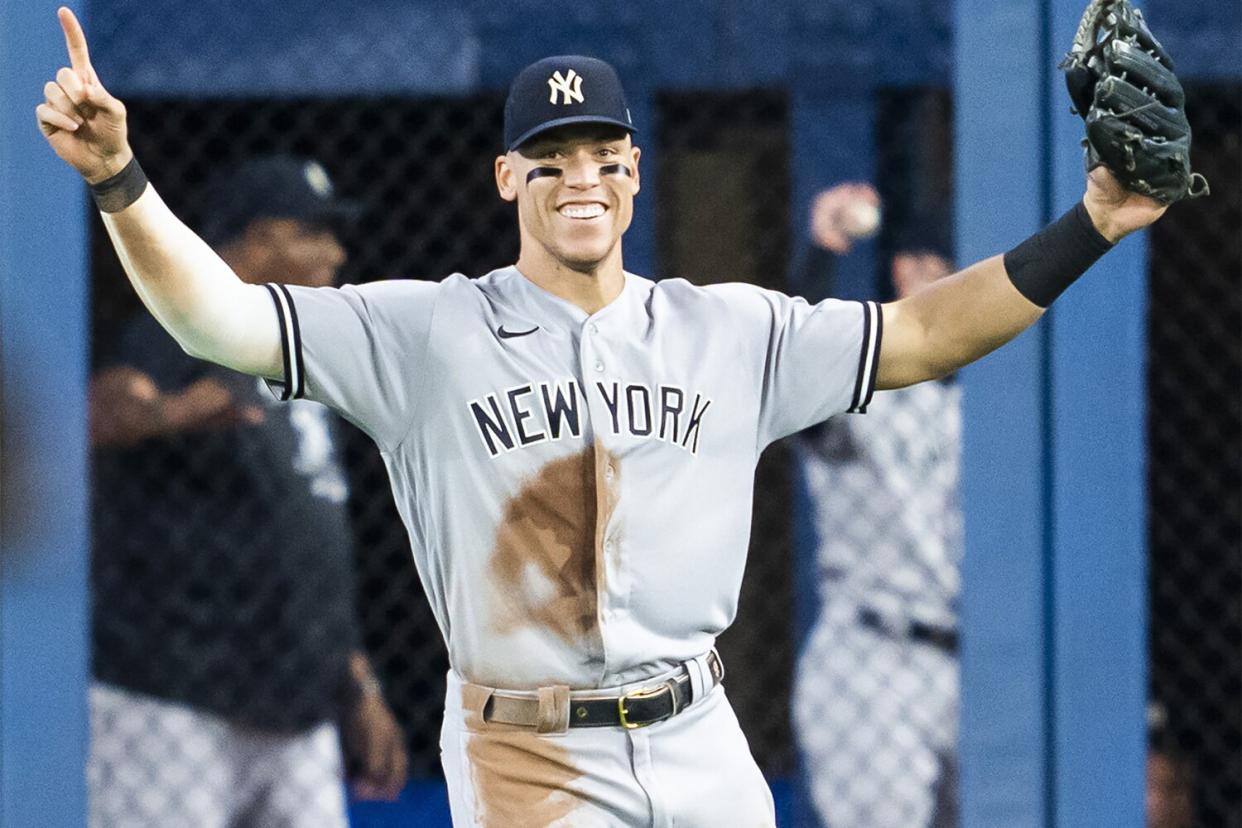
(817,360)
(359,349)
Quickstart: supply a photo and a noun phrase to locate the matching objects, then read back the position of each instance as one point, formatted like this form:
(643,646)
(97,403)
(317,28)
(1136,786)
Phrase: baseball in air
(861,220)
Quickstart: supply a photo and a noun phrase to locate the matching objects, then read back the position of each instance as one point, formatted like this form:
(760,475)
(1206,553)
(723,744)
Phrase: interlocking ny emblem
(570,87)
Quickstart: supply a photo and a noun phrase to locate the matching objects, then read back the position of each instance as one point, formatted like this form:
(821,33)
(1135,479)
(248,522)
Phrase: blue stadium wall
(1054,654)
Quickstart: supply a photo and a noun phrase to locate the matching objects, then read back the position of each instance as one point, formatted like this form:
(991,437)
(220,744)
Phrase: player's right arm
(191,291)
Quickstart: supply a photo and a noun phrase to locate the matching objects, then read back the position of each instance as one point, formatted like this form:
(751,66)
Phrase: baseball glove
(1122,83)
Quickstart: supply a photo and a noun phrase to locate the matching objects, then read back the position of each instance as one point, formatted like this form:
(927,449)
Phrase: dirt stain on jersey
(520,779)
(547,562)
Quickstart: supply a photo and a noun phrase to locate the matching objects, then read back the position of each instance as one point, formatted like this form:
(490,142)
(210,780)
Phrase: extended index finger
(75,41)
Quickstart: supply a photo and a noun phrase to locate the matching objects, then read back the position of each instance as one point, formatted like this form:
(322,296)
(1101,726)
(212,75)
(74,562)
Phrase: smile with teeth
(581,211)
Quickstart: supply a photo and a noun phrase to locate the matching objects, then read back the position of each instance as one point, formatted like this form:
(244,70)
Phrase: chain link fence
(1195,473)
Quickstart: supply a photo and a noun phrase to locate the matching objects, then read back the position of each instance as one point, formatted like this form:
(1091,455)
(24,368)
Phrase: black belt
(636,708)
(944,638)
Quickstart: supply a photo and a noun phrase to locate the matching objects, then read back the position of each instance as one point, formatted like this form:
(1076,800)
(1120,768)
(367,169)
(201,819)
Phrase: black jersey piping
(299,364)
(868,358)
(290,342)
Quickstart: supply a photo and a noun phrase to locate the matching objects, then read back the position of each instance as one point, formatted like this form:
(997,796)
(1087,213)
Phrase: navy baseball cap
(567,89)
(271,186)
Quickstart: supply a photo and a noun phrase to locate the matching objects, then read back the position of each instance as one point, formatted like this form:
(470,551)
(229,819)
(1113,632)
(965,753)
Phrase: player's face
(581,198)
(297,252)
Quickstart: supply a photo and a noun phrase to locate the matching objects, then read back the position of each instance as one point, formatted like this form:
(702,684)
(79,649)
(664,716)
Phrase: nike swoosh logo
(503,334)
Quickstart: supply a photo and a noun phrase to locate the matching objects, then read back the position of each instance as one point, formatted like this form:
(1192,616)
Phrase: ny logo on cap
(570,87)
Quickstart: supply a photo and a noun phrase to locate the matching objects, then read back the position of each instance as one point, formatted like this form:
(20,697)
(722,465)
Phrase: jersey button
(599,366)
(594,328)
(609,472)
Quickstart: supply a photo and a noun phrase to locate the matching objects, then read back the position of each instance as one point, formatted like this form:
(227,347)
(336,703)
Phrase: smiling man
(572,168)
(572,447)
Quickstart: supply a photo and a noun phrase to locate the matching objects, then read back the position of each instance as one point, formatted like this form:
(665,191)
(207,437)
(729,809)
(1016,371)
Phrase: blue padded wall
(43,528)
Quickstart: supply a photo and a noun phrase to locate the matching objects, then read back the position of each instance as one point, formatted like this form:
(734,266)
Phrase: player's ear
(635,152)
(505,179)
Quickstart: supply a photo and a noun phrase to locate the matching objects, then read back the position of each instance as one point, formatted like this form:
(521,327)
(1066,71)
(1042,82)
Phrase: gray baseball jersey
(577,488)
(886,510)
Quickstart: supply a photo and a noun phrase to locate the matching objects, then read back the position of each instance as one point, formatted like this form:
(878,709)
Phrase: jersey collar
(551,311)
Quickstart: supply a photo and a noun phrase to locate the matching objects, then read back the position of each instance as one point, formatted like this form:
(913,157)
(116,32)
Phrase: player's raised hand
(84,124)
(1116,211)
(844,213)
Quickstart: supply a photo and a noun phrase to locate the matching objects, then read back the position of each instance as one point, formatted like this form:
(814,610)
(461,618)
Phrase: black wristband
(121,190)
(1043,266)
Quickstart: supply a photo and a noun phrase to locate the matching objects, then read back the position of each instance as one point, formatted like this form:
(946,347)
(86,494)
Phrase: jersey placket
(598,367)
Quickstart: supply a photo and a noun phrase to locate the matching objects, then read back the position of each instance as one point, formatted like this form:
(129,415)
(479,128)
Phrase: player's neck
(590,290)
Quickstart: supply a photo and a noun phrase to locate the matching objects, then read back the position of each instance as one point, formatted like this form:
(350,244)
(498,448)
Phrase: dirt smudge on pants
(520,779)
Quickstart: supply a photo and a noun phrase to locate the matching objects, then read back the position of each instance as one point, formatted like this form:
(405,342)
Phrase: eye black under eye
(543,172)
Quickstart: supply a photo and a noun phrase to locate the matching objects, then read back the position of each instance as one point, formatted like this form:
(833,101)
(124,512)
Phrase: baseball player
(571,446)
(875,701)
(254,516)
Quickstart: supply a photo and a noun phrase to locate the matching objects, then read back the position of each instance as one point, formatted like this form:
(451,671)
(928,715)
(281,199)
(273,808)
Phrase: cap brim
(576,119)
(223,224)
(341,212)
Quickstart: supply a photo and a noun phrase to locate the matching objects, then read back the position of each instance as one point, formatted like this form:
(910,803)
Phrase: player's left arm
(963,317)
(1123,84)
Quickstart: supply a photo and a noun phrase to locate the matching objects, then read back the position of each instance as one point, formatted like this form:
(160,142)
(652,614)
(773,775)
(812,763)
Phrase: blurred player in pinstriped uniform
(876,690)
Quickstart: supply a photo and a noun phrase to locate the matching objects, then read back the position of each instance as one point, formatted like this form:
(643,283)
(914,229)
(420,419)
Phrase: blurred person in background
(1170,774)
(228,673)
(875,699)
